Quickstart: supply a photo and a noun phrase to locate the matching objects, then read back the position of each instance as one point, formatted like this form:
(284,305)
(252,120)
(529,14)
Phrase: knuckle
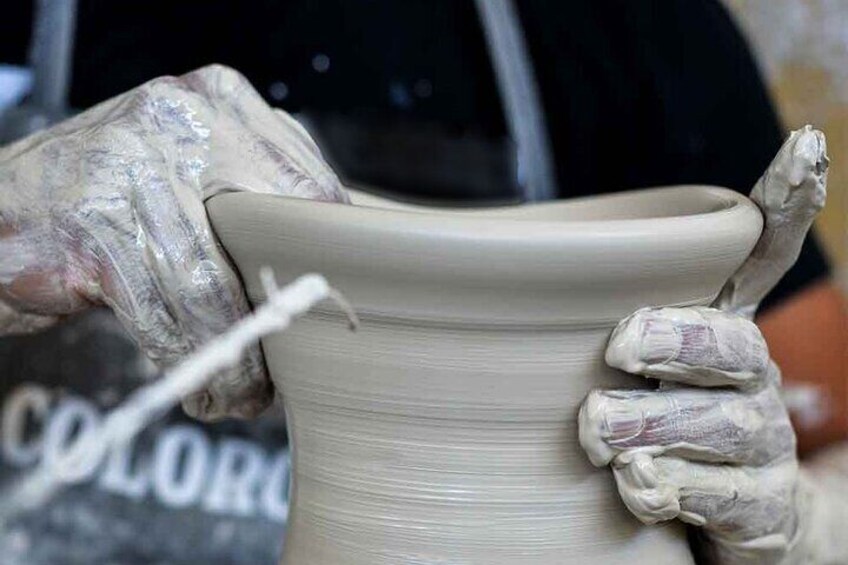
(209,299)
(217,71)
(143,96)
(647,494)
(591,418)
(217,80)
(243,392)
(764,427)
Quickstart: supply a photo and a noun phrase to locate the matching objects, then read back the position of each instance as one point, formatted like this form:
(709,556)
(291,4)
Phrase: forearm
(823,490)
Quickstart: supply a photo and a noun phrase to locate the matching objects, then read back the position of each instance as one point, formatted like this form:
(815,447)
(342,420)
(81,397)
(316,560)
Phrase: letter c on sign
(24,400)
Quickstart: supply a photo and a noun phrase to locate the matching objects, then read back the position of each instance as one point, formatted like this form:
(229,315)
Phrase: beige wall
(802,46)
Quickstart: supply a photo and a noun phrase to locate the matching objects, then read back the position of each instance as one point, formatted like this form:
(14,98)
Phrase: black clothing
(402,94)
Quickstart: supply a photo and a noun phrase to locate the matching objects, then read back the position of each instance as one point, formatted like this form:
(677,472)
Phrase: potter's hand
(107,208)
(713,446)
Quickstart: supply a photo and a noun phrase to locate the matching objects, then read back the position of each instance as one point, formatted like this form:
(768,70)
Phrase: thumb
(790,195)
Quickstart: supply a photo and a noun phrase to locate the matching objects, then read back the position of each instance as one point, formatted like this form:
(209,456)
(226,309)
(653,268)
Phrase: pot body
(444,430)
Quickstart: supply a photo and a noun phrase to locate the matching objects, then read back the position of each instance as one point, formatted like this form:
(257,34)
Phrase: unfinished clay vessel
(444,430)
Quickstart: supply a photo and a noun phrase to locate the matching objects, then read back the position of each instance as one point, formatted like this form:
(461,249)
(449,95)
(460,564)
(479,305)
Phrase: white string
(150,402)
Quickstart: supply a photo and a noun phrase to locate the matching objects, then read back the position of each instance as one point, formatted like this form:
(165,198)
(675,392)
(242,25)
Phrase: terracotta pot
(444,430)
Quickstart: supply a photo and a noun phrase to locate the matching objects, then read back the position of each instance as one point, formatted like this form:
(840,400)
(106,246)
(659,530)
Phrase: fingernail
(591,429)
(625,345)
(647,338)
(622,421)
(606,420)
(661,341)
(809,156)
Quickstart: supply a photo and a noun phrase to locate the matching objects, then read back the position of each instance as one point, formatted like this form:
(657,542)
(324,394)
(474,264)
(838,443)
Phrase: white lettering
(118,476)
(184,445)
(274,497)
(72,421)
(236,478)
(24,400)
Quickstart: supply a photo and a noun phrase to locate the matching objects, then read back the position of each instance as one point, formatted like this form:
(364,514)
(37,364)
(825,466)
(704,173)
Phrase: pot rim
(489,266)
(685,202)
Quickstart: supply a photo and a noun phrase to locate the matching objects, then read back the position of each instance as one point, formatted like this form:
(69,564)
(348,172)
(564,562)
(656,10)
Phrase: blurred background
(393,109)
(92,50)
(802,49)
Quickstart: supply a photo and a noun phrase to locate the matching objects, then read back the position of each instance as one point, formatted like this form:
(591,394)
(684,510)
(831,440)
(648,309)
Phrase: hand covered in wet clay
(713,445)
(107,208)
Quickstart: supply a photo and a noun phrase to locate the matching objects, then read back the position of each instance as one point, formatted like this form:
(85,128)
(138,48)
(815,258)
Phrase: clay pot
(444,430)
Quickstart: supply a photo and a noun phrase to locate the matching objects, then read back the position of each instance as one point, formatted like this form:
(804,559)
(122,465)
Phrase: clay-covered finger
(695,345)
(254,147)
(183,139)
(154,258)
(790,194)
(205,296)
(171,308)
(743,506)
(697,424)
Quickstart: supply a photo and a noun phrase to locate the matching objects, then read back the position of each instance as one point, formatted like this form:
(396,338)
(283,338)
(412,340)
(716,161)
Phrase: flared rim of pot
(587,260)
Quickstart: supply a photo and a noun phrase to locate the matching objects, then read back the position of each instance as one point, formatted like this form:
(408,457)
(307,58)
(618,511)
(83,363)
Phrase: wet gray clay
(444,430)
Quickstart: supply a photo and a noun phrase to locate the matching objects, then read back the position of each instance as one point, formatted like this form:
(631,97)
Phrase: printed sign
(183,492)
